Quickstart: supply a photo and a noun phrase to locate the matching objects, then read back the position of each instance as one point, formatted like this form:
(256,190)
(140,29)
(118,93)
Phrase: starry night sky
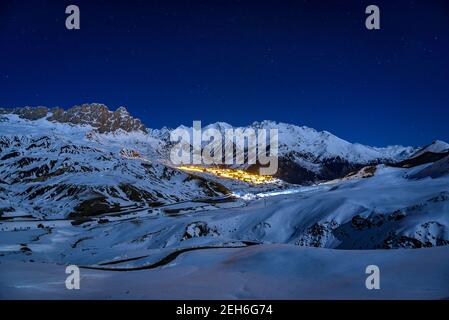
(303,62)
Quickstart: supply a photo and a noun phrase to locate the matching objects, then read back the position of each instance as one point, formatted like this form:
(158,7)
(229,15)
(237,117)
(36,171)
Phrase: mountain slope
(307,155)
(89,159)
(55,170)
(96,115)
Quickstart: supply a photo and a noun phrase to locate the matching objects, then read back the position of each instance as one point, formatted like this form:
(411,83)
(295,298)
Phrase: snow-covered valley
(271,271)
(110,203)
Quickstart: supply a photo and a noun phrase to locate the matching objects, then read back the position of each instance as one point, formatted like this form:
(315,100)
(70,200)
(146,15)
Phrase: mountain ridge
(51,170)
(306,155)
(96,115)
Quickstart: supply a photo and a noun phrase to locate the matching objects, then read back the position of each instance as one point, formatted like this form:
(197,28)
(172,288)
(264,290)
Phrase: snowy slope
(50,168)
(315,145)
(321,145)
(257,272)
(435,147)
(54,170)
(385,211)
(437,169)
(307,155)
(185,235)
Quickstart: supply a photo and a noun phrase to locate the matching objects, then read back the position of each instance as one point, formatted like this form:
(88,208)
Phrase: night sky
(308,63)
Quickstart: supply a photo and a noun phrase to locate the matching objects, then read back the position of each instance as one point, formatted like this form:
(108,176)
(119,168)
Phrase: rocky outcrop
(199,229)
(95,115)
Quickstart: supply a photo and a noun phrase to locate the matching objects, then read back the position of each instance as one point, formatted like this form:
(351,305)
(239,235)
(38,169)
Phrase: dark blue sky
(304,62)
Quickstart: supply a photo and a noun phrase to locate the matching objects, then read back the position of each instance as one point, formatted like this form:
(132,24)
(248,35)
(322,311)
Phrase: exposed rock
(7,209)
(99,117)
(423,158)
(94,207)
(130,153)
(365,172)
(29,113)
(397,241)
(137,195)
(317,235)
(212,188)
(198,229)
(94,114)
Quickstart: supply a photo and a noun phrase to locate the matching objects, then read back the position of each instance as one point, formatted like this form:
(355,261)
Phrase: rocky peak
(94,114)
(122,110)
(30,113)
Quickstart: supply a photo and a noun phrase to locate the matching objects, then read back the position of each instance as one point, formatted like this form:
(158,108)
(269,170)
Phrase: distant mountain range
(96,115)
(104,181)
(88,160)
(307,155)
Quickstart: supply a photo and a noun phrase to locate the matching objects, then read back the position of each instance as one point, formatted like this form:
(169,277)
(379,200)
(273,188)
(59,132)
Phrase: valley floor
(282,245)
(258,272)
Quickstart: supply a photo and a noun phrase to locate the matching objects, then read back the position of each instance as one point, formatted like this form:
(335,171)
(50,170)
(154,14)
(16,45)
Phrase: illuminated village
(231,174)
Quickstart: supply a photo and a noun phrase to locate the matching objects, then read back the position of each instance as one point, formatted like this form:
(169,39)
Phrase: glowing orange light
(235,174)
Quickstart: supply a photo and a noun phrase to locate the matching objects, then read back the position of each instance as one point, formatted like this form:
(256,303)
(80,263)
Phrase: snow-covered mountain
(307,155)
(94,188)
(435,147)
(54,170)
(96,115)
(89,160)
